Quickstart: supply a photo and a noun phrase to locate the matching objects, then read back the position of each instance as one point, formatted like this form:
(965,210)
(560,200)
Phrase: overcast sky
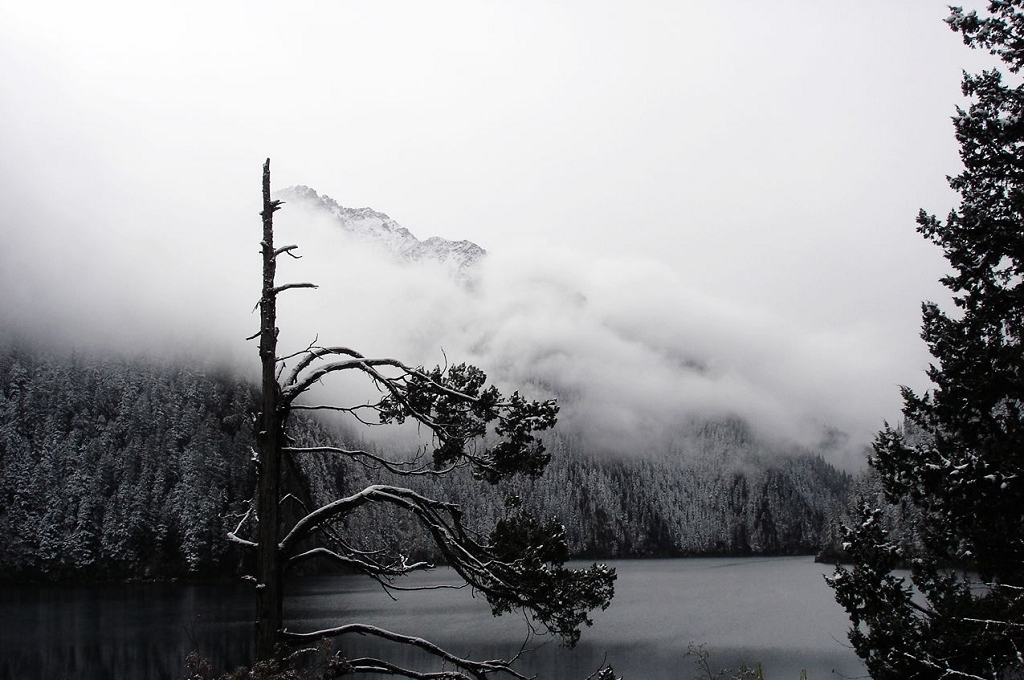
(749,168)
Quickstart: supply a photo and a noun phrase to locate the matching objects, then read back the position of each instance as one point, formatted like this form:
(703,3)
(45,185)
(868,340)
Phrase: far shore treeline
(117,469)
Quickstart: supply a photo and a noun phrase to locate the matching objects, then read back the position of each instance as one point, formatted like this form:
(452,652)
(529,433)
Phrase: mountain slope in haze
(458,257)
(123,469)
(629,348)
(111,468)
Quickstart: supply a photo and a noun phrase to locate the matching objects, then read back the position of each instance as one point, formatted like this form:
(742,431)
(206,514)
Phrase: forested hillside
(728,497)
(125,469)
(112,468)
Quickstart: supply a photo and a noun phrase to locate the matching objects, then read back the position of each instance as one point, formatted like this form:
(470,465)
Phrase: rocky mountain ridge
(368,225)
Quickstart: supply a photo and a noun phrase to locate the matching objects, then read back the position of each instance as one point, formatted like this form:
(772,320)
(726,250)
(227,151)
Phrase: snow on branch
(365,565)
(518,569)
(371,665)
(234,538)
(312,354)
(294,386)
(476,669)
(233,535)
(288,286)
(287,249)
(344,506)
(944,668)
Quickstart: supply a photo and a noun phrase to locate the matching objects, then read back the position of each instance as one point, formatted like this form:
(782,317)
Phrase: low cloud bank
(634,353)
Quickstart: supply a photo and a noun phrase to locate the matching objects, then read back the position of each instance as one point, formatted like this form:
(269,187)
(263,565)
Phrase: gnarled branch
(476,669)
(287,249)
(343,506)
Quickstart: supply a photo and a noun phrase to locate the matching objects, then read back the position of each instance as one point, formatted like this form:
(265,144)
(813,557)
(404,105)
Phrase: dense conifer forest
(121,469)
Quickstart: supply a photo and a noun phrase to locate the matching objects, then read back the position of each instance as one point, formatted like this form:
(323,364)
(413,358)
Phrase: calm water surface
(777,611)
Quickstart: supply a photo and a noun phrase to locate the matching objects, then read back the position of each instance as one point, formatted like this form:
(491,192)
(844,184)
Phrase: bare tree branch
(287,249)
(294,386)
(313,353)
(288,286)
(398,468)
(372,665)
(476,669)
(342,506)
(367,567)
(234,538)
(233,535)
(353,411)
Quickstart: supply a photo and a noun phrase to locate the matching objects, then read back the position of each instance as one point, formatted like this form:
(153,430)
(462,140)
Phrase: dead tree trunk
(269,440)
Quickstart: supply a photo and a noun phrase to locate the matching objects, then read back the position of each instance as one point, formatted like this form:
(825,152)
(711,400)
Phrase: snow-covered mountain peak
(458,257)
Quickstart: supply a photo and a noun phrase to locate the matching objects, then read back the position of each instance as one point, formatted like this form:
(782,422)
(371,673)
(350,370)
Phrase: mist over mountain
(674,405)
(763,265)
(637,353)
(636,357)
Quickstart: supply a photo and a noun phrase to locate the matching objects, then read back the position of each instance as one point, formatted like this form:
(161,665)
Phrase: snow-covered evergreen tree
(964,472)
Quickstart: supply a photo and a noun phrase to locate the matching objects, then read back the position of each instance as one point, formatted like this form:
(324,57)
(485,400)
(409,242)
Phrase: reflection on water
(120,631)
(777,611)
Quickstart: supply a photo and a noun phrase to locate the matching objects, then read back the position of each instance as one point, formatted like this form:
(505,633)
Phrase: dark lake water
(776,611)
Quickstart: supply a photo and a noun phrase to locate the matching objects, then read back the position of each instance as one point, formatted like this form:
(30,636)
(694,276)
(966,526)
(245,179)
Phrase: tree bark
(269,441)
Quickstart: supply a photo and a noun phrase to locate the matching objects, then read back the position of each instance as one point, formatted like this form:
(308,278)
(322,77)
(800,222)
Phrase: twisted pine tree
(518,566)
(964,472)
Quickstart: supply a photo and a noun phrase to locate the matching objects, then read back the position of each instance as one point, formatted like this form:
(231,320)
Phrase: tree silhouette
(519,566)
(962,615)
